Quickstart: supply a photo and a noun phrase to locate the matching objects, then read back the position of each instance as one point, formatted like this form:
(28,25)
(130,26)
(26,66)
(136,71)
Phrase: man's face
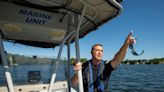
(97,53)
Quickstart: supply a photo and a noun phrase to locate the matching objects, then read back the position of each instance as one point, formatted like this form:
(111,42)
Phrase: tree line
(145,61)
(29,60)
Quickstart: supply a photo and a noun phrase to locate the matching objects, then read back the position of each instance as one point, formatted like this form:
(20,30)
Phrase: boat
(47,24)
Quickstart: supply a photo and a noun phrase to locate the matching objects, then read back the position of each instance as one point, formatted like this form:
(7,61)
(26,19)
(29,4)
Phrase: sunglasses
(134,52)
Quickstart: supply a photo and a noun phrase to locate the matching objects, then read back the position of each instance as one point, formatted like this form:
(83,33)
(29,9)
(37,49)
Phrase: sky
(144,17)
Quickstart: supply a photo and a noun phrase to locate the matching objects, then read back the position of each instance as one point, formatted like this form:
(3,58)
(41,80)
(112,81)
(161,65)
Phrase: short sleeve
(108,68)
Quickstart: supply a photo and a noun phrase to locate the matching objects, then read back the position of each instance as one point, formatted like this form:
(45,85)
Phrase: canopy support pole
(6,66)
(55,65)
(68,67)
(80,79)
(76,33)
(70,28)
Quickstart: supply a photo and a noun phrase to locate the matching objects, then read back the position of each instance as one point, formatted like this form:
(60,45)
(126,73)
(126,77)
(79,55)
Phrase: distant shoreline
(151,61)
(15,59)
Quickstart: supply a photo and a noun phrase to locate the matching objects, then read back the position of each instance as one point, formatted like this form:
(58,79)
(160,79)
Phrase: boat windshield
(32,69)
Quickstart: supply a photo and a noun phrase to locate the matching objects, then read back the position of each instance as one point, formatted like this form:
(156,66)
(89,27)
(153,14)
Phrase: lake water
(137,78)
(126,78)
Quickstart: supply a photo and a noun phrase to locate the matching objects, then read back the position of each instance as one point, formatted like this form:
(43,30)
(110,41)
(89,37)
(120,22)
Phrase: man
(96,72)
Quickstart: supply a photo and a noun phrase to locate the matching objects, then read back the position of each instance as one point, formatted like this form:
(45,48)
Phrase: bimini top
(45,23)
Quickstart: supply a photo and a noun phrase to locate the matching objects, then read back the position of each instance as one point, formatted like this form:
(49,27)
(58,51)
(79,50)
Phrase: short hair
(96,45)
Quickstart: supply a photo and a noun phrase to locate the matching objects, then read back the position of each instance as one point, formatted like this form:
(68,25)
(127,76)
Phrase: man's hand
(77,66)
(129,40)
(74,79)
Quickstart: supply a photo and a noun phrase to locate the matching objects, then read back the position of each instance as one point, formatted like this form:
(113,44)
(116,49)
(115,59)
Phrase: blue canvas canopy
(44,23)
